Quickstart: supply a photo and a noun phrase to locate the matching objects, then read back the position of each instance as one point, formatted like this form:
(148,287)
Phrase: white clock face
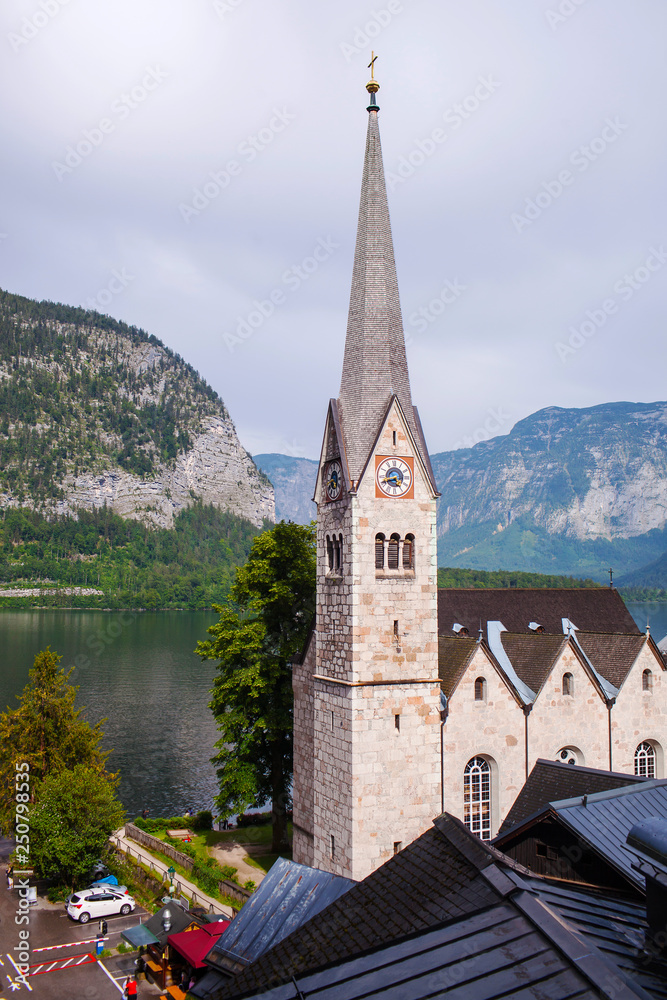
(393,477)
(333,481)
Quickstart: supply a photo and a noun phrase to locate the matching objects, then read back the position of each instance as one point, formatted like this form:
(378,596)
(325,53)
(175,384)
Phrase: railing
(225,886)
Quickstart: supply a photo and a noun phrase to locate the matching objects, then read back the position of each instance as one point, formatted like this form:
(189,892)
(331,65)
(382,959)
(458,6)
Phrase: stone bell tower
(367,696)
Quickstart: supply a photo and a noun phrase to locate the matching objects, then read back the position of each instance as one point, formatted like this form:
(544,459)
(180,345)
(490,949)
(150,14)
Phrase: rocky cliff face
(96,412)
(589,474)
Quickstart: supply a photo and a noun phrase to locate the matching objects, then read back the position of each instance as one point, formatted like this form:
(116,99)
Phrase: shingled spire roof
(375,368)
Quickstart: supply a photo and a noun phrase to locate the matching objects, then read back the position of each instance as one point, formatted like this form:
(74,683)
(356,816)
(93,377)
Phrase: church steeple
(375,368)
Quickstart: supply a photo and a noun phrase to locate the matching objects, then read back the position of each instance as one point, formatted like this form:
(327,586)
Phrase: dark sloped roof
(454,655)
(615,926)
(592,610)
(552,780)
(289,896)
(606,818)
(611,655)
(532,655)
(511,959)
(429,881)
(504,934)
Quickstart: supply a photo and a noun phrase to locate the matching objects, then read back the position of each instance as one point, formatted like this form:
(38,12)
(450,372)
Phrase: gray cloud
(562,70)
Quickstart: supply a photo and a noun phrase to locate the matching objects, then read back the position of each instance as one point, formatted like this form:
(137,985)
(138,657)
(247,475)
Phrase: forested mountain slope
(94,412)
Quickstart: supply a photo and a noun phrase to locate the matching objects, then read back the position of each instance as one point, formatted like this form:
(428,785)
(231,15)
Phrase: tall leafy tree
(76,811)
(46,731)
(254,641)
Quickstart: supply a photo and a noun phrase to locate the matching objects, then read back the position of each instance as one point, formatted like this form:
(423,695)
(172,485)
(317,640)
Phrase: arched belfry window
(645,760)
(392,552)
(477,797)
(568,685)
(330,553)
(480,689)
(379,551)
(647,681)
(409,552)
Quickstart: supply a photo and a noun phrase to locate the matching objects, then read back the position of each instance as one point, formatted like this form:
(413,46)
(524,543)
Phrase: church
(409,702)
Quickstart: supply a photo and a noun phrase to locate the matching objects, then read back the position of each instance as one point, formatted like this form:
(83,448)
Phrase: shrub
(253,819)
(203,820)
(250,885)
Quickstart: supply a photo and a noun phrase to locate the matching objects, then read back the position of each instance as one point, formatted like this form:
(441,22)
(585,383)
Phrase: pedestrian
(131,988)
(10,877)
(144,813)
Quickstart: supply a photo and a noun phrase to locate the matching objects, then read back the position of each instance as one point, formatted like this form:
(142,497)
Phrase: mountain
(567,491)
(94,412)
(294,484)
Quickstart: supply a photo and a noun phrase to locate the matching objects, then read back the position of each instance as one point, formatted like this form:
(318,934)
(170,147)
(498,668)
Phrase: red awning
(193,945)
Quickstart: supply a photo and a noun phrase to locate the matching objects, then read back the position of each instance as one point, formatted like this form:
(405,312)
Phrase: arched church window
(392,552)
(330,553)
(568,685)
(647,681)
(379,551)
(477,797)
(645,760)
(480,689)
(409,552)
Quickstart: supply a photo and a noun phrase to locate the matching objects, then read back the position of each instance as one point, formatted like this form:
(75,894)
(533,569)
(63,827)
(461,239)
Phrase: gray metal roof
(615,926)
(606,818)
(289,896)
(494,953)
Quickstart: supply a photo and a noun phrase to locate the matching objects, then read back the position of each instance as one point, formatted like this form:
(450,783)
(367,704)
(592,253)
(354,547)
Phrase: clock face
(394,476)
(333,481)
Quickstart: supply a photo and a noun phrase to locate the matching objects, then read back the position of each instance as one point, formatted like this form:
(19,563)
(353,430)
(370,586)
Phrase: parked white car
(93,903)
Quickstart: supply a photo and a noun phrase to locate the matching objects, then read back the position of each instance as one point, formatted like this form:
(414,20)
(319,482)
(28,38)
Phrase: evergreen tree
(45,732)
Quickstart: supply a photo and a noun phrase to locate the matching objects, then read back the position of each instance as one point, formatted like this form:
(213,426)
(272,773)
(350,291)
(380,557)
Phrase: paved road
(49,925)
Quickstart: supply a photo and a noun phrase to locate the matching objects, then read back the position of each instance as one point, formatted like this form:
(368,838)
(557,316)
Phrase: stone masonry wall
(302,684)
(376,785)
(640,716)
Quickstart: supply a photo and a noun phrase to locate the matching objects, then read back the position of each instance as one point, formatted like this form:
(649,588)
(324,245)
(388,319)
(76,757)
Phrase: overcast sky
(525,149)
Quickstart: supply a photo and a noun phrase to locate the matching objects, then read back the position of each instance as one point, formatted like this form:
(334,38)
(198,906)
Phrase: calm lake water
(140,672)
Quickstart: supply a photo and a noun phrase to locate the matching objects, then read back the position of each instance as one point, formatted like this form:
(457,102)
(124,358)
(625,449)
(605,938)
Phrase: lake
(140,672)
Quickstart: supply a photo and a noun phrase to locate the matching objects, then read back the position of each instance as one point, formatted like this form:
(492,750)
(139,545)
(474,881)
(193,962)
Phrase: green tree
(76,812)
(255,641)
(45,731)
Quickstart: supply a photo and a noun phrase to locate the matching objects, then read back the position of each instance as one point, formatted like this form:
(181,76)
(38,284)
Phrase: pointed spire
(374,367)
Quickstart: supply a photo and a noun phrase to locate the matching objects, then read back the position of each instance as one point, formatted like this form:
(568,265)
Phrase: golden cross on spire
(372,86)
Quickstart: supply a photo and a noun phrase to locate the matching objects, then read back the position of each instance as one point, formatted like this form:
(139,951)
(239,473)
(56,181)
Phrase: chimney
(648,841)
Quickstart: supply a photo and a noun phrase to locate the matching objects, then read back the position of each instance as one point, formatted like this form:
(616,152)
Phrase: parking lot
(61,951)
